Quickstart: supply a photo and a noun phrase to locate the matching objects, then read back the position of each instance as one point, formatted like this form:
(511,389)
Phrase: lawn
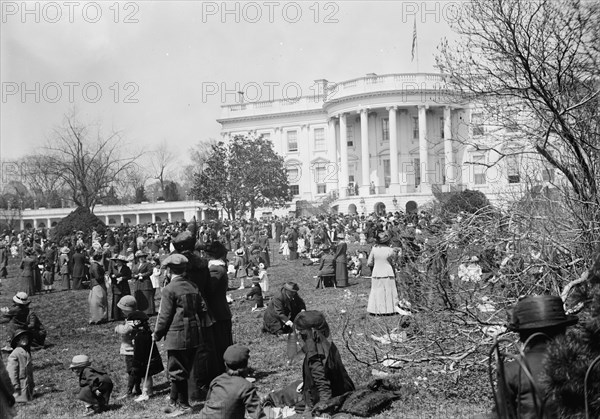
(439,391)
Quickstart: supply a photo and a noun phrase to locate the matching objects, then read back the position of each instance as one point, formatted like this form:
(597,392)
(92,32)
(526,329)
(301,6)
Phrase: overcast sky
(147,67)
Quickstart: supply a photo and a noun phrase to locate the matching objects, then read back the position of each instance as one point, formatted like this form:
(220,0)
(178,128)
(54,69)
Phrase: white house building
(373,143)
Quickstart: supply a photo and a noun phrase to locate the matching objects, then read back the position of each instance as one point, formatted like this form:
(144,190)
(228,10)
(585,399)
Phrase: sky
(160,70)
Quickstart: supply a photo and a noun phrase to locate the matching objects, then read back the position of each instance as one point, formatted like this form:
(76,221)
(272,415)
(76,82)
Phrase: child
(240,266)
(47,279)
(128,305)
(264,277)
(142,346)
(230,394)
(255,293)
(355,266)
(16,317)
(156,274)
(95,385)
(20,367)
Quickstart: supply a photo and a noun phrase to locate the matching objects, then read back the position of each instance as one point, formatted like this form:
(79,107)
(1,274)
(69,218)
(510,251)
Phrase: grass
(439,393)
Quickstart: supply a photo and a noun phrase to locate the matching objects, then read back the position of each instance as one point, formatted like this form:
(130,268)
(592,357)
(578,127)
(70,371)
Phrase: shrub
(468,201)
(80,219)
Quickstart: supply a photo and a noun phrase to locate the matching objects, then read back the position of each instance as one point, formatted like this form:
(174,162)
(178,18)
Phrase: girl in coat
(20,367)
(323,373)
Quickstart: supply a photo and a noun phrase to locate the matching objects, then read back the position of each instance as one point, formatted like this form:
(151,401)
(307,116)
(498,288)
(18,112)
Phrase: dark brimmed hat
(184,241)
(540,312)
(312,319)
(120,258)
(384,237)
(215,249)
(18,334)
(138,315)
(291,286)
(236,357)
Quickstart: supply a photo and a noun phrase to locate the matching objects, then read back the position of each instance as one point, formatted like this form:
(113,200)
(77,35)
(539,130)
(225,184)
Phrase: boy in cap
(128,305)
(255,293)
(20,367)
(95,385)
(230,394)
(538,320)
(181,307)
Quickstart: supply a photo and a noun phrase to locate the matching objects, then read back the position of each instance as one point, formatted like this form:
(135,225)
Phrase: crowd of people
(189,265)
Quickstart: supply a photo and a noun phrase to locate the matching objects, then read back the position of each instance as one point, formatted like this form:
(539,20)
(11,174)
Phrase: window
(293,174)
(292,140)
(477,123)
(417,170)
(295,189)
(350,135)
(547,173)
(266,136)
(320,178)
(415,127)
(479,169)
(319,134)
(442,127)
(385,127)
(512,169)
(322,188)
(387,172)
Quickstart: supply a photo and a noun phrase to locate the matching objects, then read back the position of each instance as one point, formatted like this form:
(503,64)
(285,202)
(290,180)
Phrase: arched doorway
(351,209)
(380,209)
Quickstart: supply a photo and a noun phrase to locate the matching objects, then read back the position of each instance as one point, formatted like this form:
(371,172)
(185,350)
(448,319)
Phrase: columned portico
(393,130)
(425,185)
(332,140)
(450,169)
(364,151)
(343,179)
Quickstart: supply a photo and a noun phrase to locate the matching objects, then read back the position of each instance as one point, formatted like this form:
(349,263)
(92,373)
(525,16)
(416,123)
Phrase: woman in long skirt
(120,274)
(142,288)
(383,298)
(28,265)
(64,268)
(341,264)
(98,298)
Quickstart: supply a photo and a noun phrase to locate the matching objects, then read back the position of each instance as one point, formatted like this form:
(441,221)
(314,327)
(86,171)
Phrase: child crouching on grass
(230,394)
(255,293)
(95,385)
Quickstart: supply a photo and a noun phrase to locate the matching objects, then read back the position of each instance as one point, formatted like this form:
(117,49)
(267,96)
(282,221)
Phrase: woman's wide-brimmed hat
(291,286)
(65,250)
(120,258)
(140,254)
(540,312)
(21,298)
(384,237)
(80,361)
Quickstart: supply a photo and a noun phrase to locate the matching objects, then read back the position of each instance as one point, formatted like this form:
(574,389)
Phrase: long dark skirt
(206,366)
(293,254)
(27,284)
(145,301)
(223,338)
(77,283)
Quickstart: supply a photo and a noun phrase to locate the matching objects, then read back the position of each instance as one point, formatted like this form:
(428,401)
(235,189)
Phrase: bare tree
(87,161)
(198,155)
(533,68)
(161,160)
(42,180)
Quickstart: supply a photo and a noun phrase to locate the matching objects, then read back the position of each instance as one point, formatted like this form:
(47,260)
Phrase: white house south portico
(370,143)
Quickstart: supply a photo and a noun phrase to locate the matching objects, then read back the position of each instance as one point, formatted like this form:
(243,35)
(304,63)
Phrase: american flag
(414,42)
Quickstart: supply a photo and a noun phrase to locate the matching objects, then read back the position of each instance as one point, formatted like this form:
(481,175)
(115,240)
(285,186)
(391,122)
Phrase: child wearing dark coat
(255,293)
(231,395)
(143,347)
(20,367)
(95,386)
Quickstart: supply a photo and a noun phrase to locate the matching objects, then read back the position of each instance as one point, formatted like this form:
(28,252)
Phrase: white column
(343,179)
(364,151)
(21,224)
(48,223)
(423,152)
(308,187)
(34,223)
(450,164)
(122,219)
(393,128)
(278,142)
(169,215)
(332,145)
(137,219)
(106,219)
(153,217)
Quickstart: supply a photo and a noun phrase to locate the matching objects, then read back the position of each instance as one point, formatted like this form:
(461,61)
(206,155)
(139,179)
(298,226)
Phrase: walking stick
(140,399)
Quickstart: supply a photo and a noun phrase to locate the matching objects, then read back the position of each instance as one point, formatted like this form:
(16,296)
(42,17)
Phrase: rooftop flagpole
(415,45)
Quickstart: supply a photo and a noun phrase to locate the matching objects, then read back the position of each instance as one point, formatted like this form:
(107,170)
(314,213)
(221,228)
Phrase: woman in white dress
(383,298)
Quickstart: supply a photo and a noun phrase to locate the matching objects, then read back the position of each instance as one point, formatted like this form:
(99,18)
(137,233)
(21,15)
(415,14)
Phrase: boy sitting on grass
(255,293)
(230,394)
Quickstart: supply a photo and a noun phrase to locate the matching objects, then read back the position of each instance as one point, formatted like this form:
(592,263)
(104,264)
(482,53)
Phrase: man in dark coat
(292,239)
(283,309)
(78,261)
(181,309)
(120,275)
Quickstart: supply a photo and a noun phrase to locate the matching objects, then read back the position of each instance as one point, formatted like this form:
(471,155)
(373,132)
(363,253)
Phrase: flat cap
(175,260)
(236,356)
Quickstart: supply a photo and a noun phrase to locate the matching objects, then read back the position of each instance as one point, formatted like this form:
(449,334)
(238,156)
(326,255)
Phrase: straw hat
(21,298)
(80,361)
(65,250)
